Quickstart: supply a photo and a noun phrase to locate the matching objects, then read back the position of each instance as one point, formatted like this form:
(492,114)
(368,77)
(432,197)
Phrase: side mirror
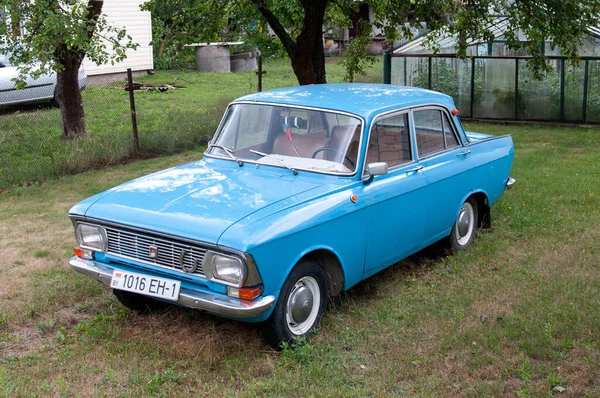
(375,169)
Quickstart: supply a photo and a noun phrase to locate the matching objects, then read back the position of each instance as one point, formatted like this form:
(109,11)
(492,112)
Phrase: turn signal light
(83,253)
(455,112)
(244,293)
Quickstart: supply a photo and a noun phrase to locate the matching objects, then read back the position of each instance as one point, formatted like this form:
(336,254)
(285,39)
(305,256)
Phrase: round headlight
(228,269)
(91,237)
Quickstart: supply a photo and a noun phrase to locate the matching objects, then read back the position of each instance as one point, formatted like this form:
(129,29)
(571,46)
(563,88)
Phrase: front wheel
(465,227)
(300,307)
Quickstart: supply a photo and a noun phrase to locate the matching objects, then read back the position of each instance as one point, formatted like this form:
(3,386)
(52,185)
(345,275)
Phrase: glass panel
(574,92)
(393,140)
(452,76)
(539,99)
(428,129)
(451,140)
(593,102)
(494,89)
(417,72)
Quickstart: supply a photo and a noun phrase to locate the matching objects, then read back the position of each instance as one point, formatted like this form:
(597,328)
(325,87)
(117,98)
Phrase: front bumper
(207,301)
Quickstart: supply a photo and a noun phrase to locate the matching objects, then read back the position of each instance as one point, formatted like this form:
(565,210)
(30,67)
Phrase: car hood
(198,201)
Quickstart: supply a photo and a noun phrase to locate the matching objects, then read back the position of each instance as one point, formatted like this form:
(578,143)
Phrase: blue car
(302,193)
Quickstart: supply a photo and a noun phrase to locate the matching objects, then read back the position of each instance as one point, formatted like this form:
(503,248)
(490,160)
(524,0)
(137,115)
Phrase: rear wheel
(300,307)
(139,303)
(465,227)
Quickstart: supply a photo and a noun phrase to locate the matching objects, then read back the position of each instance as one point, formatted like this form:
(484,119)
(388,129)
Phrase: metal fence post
(472,87)
(562,89)
(586,83)
(516,89)
(387,67)
(429,76)
(136,141)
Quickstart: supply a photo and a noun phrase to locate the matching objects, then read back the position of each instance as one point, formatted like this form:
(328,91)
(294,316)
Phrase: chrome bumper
(211,302)
(510,183)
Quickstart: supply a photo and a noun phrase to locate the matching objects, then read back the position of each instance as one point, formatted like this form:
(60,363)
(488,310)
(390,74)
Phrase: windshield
(289,137)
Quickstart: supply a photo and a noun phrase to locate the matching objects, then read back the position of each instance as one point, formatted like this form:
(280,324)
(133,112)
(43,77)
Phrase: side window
(451,140)
(390,141)
(429,131)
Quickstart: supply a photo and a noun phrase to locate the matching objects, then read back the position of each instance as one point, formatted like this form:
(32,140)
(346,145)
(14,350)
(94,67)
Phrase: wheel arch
(332,266)
(484,219)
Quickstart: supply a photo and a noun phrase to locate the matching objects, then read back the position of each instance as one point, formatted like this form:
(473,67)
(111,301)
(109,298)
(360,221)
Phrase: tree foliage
(45,36)
(51,30)
(296,22)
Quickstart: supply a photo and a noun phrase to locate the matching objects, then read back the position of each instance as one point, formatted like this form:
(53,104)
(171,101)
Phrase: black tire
(464,229)
(306,277)
(54,101)
(139,303)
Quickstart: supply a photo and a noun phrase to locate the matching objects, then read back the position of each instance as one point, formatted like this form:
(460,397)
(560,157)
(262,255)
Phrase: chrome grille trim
(135,245)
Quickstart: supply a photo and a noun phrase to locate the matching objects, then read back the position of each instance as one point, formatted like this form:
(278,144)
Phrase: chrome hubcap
(303,305)
(465,223)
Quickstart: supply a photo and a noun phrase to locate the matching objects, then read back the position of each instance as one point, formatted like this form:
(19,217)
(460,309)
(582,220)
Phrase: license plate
(166,289)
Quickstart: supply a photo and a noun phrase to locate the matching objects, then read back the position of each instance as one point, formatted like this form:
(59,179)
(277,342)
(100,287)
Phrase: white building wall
(127,14)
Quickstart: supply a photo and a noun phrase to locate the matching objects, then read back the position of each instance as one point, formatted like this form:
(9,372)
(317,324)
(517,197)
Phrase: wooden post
(136,141)
(260,73)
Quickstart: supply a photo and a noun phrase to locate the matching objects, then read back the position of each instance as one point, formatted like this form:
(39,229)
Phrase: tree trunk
(69,98)
(306,54)
(308,59)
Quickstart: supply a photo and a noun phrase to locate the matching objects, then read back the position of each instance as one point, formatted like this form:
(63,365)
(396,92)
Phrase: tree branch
(286,40)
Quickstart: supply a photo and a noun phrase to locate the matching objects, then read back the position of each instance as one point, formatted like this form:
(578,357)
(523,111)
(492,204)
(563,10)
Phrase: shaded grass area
(516,315)
(168,122)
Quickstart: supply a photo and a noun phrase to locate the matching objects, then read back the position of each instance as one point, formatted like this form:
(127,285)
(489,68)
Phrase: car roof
(363,99)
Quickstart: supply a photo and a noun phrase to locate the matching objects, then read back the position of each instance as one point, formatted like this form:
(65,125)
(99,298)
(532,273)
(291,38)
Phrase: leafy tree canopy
(43,35)
(297,22)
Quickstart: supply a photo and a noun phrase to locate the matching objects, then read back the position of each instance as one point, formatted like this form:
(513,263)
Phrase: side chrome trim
(197,299)
(510,183)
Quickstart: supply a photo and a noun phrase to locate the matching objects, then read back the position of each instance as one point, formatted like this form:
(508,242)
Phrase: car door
(35,89)
(445,167)
(396,200)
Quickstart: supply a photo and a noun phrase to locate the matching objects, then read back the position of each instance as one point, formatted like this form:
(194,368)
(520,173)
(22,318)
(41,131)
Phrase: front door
(397,200)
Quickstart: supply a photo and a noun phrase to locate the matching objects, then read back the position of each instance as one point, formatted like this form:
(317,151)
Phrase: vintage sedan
(302,193)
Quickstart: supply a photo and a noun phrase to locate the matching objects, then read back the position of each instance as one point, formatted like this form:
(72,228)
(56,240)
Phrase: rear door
(446,165)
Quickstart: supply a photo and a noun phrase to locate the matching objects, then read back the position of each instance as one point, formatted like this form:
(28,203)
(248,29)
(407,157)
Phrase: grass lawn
(31,148)
(516,315)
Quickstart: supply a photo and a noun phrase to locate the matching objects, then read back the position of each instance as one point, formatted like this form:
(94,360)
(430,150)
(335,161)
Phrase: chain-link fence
(172,115)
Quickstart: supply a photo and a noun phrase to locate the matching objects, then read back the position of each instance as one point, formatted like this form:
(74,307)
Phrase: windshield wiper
(229,152)
(293,170)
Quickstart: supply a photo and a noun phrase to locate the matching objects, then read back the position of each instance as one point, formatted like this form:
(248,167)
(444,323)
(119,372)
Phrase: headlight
(91,237)
(230,270)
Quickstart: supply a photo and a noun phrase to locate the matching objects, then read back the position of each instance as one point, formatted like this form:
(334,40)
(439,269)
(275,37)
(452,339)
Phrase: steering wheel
(324,148)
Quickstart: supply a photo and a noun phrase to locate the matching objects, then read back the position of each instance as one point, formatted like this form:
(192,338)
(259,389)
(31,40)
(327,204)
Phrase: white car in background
(40,89)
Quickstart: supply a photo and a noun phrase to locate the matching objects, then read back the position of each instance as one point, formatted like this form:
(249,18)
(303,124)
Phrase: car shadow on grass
(26,108)
(416,265)
(188,332)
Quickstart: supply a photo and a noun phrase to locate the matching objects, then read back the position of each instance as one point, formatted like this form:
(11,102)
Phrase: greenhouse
(495,82)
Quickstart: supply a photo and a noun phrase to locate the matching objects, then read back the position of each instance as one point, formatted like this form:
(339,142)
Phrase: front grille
(136,246)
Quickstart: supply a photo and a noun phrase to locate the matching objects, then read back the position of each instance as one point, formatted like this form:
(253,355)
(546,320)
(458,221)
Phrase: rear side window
(433,132)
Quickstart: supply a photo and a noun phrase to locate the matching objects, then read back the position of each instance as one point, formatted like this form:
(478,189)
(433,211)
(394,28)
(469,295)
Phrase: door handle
(415,170)
(465,153)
